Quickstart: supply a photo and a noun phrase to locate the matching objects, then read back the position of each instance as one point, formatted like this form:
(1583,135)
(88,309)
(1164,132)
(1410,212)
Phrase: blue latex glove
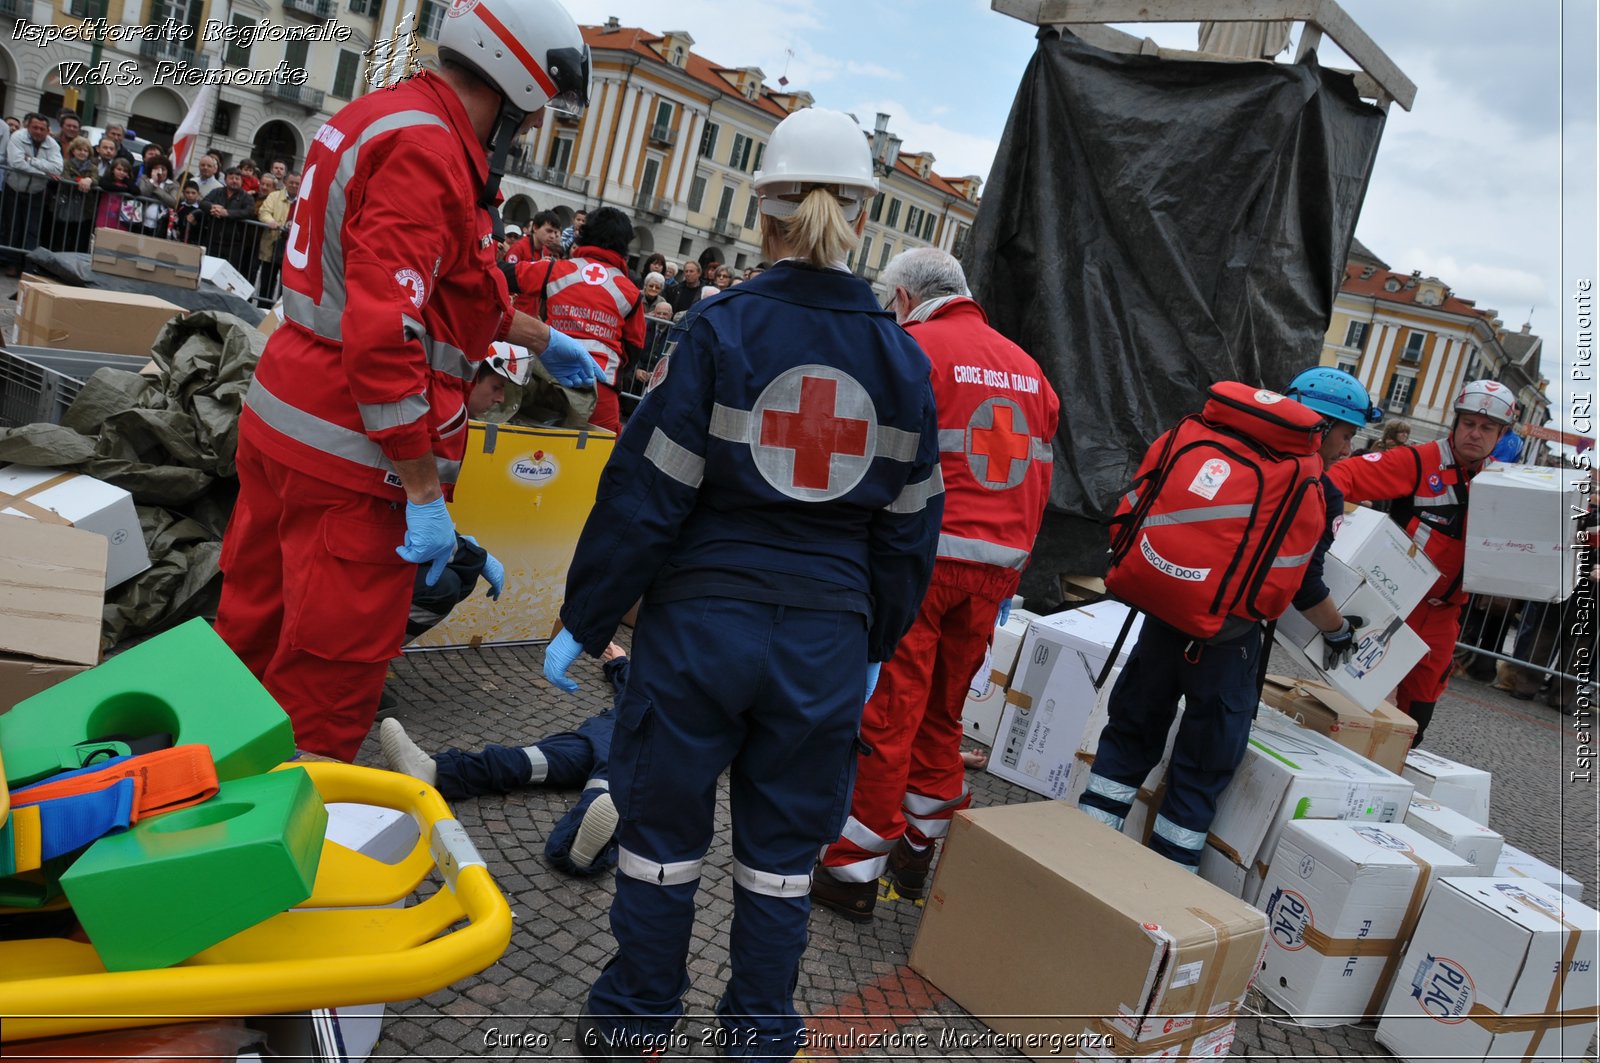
(568,362)
(873,668)
(430,537)
(493,570)
(1005,613)
(558,657)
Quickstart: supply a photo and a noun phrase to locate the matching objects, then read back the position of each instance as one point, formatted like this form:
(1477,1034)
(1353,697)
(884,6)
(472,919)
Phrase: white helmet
(1489,398)
(816,147)
(510,361)
(529,50)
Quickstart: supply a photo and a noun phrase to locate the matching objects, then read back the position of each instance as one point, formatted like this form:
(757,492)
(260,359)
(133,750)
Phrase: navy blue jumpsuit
(776,501)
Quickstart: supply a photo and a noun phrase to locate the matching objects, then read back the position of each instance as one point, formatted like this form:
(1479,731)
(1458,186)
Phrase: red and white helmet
(1490,398)
(529,50)
(510,361)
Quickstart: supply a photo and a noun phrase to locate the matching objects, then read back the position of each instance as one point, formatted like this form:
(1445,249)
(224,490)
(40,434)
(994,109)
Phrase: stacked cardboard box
(986,694)
(1342,900)
(1520,530)
(1514,863)
(1290,773)
(71,499)
(1373,571)
(89,319)
(1497,969)
(1040,732)
(1382,736)
(146,258)
(1141,817)
(1112,940)
(52,589)
(1457,786)
(1467,838)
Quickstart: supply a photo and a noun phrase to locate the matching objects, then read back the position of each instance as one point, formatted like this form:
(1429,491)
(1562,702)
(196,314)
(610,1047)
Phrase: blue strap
(67,824)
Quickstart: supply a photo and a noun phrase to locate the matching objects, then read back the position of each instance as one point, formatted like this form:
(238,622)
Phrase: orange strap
(164,781)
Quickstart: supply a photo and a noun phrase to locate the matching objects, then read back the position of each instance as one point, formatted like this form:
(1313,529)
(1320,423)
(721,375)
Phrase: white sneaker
(594,833)
(404,755)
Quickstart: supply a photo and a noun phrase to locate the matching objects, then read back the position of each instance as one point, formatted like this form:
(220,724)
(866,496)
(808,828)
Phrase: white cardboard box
(1520,529)
(1290,773)
(1061,657)
(1341,900)
(1467,838)
(1141,817)
(1385,650)
(384,834)
(1452,785)
(1383,554)
(1487,949)
(986,694)
(221,273)
(1514,863)
(59,497)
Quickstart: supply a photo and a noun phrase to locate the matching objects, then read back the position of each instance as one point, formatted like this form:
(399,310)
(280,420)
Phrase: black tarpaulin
(1152,226)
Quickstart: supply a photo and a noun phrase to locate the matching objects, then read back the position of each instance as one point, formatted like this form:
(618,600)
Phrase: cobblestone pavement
(854,984)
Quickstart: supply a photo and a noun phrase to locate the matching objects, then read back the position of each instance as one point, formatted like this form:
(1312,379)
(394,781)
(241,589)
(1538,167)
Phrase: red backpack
(1224,513)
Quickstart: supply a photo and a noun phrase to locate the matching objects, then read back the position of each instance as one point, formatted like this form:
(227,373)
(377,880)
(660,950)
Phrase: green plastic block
(182,881)
(184,682)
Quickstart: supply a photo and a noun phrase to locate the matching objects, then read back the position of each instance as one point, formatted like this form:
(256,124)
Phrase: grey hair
(925,273)
(658,278)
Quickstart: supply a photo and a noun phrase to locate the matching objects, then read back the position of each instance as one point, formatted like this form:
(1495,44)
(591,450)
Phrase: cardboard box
(79,501)
(272,319)
(524,494)
(89,319)
(1171,959)
(1468,839)
(1382,736)
(1290,773)
(52,590)
(1497,969)
(385,834)
(1520,531)
(1457,786)
(1342,899)
(1380,551)
(1514,863)
(1062,656)
(146,258)
(220,272)
(1385,649)
(986,694)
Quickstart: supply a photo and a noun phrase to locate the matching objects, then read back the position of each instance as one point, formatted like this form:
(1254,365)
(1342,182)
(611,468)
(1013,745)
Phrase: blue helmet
(1334,393)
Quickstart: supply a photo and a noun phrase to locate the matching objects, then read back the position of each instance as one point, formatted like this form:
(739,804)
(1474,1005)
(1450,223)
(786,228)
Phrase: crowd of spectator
(58,188)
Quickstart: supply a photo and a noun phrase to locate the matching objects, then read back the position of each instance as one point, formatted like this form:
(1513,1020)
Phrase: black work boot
(908,869)
(853,900)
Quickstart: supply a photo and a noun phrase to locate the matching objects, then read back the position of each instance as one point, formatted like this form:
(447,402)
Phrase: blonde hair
(816,232)
(79,142)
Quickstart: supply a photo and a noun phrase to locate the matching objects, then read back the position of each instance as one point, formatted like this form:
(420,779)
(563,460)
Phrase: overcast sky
(1488,183)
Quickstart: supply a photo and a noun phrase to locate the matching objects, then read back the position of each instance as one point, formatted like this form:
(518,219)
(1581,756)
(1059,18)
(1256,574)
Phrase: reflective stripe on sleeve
(913,498)
(318,434)
(675,461)
(379,416)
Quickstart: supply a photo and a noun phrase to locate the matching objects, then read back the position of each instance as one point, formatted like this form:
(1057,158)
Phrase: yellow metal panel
(524,494)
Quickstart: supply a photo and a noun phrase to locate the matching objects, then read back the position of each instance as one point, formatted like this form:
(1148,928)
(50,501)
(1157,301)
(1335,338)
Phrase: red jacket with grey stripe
(391,295)
(997,418)
(589,297)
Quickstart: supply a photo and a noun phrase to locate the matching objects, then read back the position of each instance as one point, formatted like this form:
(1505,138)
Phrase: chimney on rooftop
(613,24)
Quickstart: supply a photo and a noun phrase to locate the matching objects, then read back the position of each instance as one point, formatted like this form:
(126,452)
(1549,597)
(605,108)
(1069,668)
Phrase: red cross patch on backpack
(1224,513)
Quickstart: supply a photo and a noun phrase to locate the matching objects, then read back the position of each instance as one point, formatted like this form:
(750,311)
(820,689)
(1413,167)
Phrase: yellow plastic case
(312,956)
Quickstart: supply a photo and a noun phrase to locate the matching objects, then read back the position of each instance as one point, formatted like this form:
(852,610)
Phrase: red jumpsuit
(391,297)
(997,417)
(589,297)
(1430,502)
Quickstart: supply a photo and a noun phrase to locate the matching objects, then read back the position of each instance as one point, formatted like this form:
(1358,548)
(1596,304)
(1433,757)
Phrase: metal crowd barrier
(632,389)
(1537,640)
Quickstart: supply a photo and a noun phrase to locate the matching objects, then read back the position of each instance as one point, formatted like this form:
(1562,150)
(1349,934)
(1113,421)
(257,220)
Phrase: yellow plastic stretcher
(311,956)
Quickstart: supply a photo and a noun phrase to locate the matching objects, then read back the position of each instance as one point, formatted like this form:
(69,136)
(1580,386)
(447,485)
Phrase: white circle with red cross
(594,273)
(999,444)
(813,432)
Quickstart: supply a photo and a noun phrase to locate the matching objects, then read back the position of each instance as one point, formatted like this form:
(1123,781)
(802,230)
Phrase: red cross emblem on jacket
(813,431)
(999,446)
(594,273)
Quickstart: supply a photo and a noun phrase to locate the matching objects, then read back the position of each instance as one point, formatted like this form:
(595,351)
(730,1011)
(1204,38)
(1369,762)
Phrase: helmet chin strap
(506,126)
